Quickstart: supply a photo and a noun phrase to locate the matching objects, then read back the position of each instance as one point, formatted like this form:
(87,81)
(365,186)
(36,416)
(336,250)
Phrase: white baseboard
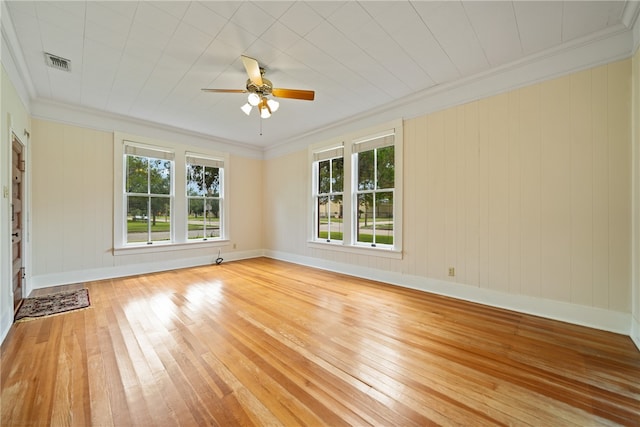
(635,331)
(592,317)
(6,322)
(79,276)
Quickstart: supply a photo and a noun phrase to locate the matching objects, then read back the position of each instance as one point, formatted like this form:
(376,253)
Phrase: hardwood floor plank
(264,342)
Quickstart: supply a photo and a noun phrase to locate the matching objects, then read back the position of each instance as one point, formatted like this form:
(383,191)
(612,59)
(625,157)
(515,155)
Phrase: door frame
(26,211)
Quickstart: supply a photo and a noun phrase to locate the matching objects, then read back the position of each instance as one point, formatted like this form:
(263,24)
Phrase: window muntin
(204,198)
(374,196)
(148,194)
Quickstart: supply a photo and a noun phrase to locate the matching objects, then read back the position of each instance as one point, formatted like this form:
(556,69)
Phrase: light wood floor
(263,342)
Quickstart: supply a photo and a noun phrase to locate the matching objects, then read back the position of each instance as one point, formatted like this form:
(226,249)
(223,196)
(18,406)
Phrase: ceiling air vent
(58,62)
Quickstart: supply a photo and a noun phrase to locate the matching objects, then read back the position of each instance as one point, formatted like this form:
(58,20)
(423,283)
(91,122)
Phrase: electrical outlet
(452,271)
(234,246)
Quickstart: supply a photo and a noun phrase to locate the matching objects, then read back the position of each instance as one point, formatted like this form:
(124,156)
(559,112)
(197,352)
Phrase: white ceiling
(149,59)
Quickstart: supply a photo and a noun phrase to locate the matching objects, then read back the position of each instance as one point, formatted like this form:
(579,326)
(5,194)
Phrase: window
(374,163)
(204,197)
(357,192)
(148,194)
(328,196)
(167,197)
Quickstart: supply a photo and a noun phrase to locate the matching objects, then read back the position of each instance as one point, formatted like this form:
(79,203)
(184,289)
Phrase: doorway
(17,221)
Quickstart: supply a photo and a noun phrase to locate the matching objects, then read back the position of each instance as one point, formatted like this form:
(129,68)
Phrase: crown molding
(13,60)
(46,109)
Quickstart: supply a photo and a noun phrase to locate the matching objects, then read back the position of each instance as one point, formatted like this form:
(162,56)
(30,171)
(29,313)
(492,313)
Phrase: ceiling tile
(579,20)
(280,36)
(325,8)
(451,28)
(274,8)
(350,18)
(204,19)
(301,18)
(187,44)
(533,15)
(495,25)
(114,39)
(153,17)
(175,8)
(236,37)
(252,19)
(126,9)
(104,17)
(225,9)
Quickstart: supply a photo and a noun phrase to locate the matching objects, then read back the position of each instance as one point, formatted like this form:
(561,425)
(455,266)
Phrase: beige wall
(11,106)
(635,330)
(72,192)
(524,193)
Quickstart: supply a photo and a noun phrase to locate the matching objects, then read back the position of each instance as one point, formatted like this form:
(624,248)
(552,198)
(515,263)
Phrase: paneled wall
(524,193)
(72,193)
(527,192)
(635,128)
(72,187)
(15,116)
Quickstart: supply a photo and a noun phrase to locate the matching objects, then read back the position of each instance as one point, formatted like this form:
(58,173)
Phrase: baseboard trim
(635,332)
(592,317)
(79,276)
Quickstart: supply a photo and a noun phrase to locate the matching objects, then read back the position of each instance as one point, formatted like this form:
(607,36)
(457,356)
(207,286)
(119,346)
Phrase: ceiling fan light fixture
(246,108)
(253,99)
(265,111)
(273,105)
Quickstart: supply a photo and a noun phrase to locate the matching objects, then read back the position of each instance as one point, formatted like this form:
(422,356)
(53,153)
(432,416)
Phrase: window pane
(137,174)
(137,219)
(213,217)
(160,176)
(160,219)
(204,218)
(364,230)
(365,171)
(196,220)
(212,181)
(335,230)
(337,173)
(324,183)
(384,218)
(322,209)
(385,167)
(195,181)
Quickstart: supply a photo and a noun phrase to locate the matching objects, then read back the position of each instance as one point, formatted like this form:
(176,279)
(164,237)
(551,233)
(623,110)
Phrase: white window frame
(349,142)
(330,154)
(149,152)
(179,208)
(213,162)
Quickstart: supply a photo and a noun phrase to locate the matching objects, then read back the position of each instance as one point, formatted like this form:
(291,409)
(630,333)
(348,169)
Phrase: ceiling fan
(259,88)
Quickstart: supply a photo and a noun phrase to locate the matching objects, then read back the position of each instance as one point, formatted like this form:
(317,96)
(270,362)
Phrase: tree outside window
(148,198)
(204,184)
(374,195)
(329,206)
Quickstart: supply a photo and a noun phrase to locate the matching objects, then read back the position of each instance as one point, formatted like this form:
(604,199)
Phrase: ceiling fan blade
(225,90)
(253,70)
(306,95)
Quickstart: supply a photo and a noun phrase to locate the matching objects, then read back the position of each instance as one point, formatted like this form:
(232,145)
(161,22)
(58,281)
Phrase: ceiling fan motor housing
(264,89)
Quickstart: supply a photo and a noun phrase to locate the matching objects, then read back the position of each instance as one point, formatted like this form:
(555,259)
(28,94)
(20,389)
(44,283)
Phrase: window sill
(167,247)
(381,252)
